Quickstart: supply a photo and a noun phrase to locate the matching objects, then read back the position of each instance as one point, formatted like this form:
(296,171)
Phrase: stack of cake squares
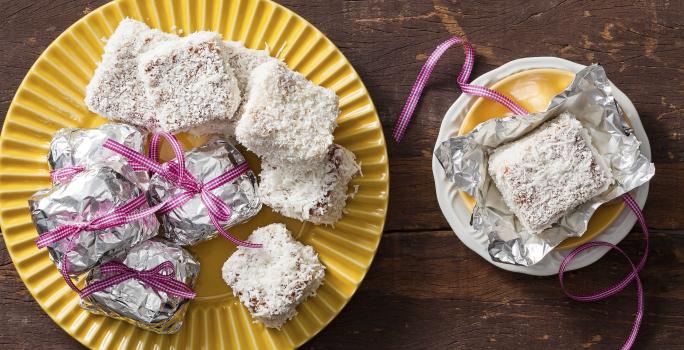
(288,122)
(201,84)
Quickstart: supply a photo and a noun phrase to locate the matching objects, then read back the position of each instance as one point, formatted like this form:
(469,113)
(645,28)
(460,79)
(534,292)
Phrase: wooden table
(426,289)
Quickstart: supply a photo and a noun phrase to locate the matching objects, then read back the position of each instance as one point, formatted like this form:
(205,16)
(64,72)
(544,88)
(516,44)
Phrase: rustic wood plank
(425,288)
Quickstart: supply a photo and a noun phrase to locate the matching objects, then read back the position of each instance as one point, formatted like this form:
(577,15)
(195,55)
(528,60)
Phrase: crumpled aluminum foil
(135,302)
(465,158)
(190,223)
(84,147)
(88,195)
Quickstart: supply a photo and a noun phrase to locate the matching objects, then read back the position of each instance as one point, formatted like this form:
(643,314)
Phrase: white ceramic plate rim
(458,215)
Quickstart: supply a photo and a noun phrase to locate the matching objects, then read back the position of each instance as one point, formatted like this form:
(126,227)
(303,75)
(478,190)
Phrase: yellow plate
(51,97)
(534,89)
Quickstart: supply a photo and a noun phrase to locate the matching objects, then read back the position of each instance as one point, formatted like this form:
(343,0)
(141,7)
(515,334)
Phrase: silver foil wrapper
(135,302)
(84,147)
(90,194)
(465,158)
(190,223)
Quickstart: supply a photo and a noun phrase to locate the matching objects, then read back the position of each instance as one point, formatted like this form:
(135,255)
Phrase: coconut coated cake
(549,172)
(273,280)
(310,192)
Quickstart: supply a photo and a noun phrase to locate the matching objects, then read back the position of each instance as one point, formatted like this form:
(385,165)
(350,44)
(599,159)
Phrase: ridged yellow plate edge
(51,97)
(534,89)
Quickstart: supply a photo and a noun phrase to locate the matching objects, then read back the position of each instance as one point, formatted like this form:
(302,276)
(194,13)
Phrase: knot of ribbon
(161,278)
(121,215)
(175,172)
(481,91)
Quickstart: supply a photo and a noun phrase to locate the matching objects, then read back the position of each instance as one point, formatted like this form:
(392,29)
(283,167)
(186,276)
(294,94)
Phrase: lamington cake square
(244,60)
(189,83)
(115,90)
(310,192)
(549,172)
(273,280)
(287,117)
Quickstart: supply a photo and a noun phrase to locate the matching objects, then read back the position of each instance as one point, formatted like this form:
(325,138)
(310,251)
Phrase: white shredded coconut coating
(189,83)
(287,117)
(315,192)
(243,61)
(273,280)
(115,90)
(549,172)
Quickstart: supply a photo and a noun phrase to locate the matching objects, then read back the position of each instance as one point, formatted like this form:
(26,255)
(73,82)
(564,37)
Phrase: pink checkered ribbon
(463,76)
(66,174)
(127,213)
(633,276)
(175,172)
(462,80)
(161,278)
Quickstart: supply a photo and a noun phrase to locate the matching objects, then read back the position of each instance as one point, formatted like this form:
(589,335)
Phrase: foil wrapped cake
(190,223)
(95,192)
(71,147)
(136,302)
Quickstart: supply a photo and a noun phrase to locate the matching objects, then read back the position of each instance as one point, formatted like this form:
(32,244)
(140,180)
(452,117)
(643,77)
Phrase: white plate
(458,214)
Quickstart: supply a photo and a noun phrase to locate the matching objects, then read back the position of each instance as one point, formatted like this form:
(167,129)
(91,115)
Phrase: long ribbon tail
(463,76)
(133,156)
(633,276)
(65,274)
(104,284)
(232,238)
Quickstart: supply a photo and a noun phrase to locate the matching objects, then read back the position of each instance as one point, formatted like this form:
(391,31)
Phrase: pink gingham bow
(160,278)
(175,172)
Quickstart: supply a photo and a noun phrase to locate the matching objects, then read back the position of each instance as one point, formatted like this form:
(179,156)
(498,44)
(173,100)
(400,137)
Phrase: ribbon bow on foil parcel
(124,214)
(175,172)
(160,278)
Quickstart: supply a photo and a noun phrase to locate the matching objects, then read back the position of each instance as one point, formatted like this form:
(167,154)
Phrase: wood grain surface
(425,289)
